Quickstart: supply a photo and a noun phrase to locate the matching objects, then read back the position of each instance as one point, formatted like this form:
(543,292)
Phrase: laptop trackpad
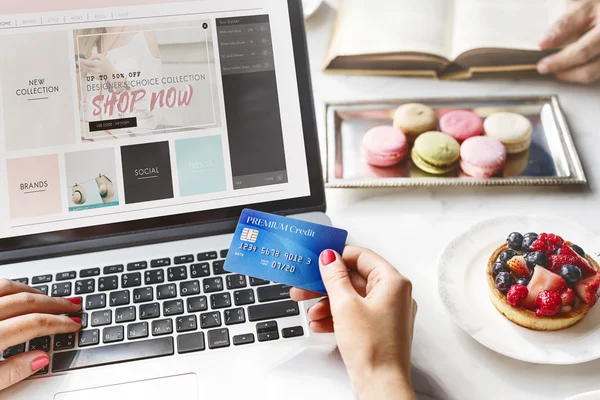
(185,386)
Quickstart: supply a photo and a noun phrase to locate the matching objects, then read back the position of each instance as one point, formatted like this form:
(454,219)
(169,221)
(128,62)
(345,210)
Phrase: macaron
(414,119)
(384,146)
(482,156)
(461,124)
(435,152)
(513,130)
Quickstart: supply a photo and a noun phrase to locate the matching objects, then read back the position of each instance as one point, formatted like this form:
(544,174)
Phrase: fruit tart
(542,282)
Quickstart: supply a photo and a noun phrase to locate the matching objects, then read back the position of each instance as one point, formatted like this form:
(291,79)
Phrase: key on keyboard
(197,304)
(142,295)
(210,320)
(162,262)
(186,323)
(131,280)
(13,351)
(177,273)
(189,288)
(87,273)
(64,341)
(218,267)
(85,286)
(137,331)
(209,255)
(162,327)
(234,316)
(212,284)
(221,300)
(273,310)
(65,276)
(218,338)
(131,351)
(120,298)
(125,314)
(95,301)
(41,279)
(136,266)
(184,259)
(100,318)
(243,297)
(148,311)
(61,289)
(41,343)
(274,292)
(243,339)
(199,270)
(236,282)
(88,338)
(113,269)
(113,334)
(190,342)
(108,282)
(166,291)
(154,276)
(172,307)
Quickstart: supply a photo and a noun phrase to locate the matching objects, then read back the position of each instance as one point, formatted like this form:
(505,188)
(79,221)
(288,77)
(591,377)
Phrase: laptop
(134,132)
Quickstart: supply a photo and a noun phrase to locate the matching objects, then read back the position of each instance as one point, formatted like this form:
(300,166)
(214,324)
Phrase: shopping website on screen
(117,110)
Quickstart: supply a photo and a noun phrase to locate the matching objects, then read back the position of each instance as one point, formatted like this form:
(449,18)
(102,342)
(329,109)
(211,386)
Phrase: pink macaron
(461,124)
(384,146)
(482,156)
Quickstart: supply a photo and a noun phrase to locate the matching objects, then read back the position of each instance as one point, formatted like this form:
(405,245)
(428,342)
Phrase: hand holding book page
(440,37)
(578,61)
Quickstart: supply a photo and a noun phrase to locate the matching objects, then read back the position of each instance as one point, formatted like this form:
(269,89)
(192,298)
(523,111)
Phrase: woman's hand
(26,314)
(579,31)
(372,313)
(97,64)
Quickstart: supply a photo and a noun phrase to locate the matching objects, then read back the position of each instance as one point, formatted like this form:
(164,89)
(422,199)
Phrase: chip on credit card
(281,249)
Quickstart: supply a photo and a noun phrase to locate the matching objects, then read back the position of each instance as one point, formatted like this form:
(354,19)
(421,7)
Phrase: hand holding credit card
(281,249)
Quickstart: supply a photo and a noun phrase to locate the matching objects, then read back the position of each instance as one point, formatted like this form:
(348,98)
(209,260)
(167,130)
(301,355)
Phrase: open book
(444,38)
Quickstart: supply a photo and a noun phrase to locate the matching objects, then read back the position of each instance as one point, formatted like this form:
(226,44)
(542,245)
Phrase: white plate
(464,291)
(310,7)
(586,396)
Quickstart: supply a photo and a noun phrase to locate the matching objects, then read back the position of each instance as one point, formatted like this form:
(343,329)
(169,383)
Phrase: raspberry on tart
(542,282)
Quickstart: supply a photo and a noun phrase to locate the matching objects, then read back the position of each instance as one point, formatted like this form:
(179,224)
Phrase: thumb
(18,368)
(336,277)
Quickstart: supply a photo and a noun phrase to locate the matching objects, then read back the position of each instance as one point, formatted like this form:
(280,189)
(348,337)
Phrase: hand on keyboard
(28,315)
(372,313)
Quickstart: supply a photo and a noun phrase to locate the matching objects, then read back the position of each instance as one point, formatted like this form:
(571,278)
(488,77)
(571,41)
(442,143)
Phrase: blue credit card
(281,249)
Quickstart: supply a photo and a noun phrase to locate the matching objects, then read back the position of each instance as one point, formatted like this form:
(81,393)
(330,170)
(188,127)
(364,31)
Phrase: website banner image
(137,80)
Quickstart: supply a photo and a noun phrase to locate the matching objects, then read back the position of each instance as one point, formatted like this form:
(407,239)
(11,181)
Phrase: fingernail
(327,257)
(39,363)
(75,300)
(78,320)
(543,68)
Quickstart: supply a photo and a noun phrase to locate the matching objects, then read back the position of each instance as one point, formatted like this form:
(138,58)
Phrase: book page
(510,24)
(383,26)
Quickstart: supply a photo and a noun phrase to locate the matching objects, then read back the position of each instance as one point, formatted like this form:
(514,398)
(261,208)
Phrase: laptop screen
(122,110)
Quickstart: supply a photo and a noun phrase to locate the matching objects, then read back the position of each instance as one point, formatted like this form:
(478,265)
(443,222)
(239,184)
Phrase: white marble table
(410,227)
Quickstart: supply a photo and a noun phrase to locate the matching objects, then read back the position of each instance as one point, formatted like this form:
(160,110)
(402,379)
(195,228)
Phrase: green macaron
(436,153)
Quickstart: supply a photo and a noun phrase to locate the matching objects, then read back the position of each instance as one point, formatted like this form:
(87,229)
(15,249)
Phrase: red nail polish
(39,363)
(327,257)
(75,300)
(78,320)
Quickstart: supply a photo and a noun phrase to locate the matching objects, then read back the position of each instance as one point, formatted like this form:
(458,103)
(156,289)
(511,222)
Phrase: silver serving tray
(551,160)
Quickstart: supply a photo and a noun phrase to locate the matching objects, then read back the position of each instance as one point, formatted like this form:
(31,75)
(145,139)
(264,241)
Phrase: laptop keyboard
(142,310)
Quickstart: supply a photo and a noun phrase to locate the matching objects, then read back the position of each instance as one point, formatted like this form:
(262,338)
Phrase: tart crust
(527,318)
